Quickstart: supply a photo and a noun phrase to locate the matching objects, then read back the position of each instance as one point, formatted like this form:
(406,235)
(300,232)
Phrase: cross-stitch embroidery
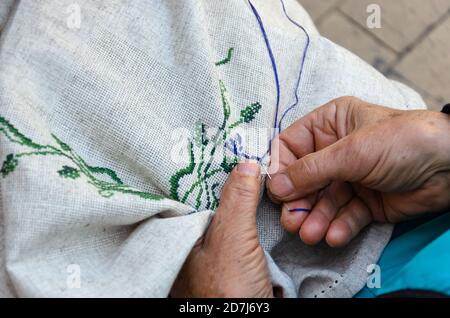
(201,143)
(105,188)
(227,59)
(207,147)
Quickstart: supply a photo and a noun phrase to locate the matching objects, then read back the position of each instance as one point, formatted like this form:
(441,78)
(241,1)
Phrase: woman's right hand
(352,163)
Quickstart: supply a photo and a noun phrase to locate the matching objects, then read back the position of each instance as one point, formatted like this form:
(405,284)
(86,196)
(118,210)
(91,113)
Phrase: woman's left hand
(229,261)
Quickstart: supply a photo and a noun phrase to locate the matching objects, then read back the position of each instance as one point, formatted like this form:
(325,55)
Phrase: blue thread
(305,51)
(277,124)
(299,210)
(272,60)
(235,151)
(235,146)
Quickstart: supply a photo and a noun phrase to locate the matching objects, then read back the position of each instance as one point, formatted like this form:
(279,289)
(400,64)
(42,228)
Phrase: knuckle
(428,130)
(346,101)
(306,168)
(349,105)
(435,186)
(352,146)
(352,154)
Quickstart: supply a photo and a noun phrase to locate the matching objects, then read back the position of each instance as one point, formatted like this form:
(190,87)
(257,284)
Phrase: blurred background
(412,45)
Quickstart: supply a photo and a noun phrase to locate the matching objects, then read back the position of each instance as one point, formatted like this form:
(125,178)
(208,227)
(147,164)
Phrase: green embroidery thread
(227,59)
(9,165)
(204,170)
(201,187)
(69,172)
(105,188)
(175,179)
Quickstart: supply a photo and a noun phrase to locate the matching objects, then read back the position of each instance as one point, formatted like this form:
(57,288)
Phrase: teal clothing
(416,259)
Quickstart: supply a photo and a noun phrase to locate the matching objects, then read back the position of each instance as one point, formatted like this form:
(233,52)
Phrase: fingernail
(274,167)
(247,168)
(281,185)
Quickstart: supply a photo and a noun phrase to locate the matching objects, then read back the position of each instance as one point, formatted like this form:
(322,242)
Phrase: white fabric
(116,91)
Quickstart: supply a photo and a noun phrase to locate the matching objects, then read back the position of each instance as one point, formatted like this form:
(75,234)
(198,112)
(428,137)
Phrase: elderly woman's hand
(229,261)
(352,163)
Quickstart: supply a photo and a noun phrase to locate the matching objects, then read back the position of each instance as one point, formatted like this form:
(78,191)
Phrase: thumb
(236,214)
(340,161)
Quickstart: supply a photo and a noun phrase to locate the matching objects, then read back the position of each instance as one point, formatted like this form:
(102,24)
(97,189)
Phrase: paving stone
(428,64)
(402,21)
(316,8)
(338,28)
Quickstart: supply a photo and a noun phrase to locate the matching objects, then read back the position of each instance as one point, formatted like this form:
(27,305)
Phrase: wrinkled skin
(353,163)
(229,261)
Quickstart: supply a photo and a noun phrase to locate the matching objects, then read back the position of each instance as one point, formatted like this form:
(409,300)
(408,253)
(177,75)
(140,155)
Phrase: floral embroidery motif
(105,188)
(207,146)
(227,59)
(202,143)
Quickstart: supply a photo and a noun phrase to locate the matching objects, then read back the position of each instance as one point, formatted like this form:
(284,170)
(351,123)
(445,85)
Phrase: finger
(333,198)
(331,122)
(351,219)
(317,130)
(310,133)
(236,214)
(328,142)
(373,200)
(338,162)
(294,213)
(281,157)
